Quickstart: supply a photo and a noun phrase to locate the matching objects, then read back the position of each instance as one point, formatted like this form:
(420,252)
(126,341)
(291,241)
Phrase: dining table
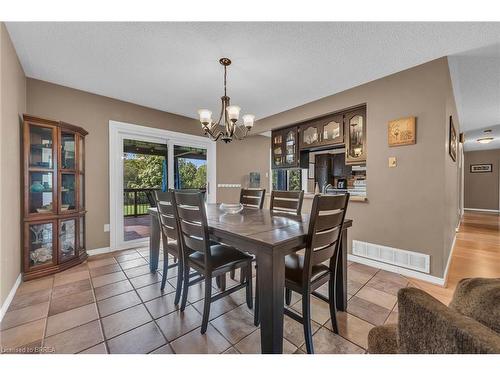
(270,237)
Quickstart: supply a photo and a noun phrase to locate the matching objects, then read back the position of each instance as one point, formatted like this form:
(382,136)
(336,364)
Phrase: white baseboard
(481,210)
(132,245)
(448,262)
(400,270)
(10,297)
(101,250)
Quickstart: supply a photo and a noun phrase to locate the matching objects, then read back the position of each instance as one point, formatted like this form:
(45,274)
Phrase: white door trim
(119,130)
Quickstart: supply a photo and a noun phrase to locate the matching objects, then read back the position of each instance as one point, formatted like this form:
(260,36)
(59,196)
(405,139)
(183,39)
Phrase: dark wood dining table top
(261,226)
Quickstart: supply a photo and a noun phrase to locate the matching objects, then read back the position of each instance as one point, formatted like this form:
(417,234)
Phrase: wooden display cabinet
(53,206)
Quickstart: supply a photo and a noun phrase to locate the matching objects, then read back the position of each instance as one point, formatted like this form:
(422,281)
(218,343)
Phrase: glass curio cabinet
(53,204)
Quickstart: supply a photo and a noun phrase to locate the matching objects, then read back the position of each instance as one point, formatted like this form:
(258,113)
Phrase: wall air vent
(397,257)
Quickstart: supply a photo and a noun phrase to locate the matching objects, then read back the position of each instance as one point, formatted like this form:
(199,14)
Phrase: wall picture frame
(402,132)
(481,168)
(452,141)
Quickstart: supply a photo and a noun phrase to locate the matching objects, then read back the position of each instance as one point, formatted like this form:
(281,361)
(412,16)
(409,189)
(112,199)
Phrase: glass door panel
(190,168)
(67,239)
(68,196)
(68,160)
(40,243)
(40,196)
(41,143)
(144,172)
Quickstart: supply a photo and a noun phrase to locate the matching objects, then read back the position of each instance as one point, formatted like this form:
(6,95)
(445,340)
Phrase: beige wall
(236,160)
(406,205)
(93,112)
(481,190)
(12,104)
(452,175)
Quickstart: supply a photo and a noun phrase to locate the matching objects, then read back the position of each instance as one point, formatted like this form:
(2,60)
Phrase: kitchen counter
(352,198)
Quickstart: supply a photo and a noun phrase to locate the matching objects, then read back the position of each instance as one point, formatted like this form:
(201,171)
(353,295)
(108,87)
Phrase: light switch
(106,227)
(392,162)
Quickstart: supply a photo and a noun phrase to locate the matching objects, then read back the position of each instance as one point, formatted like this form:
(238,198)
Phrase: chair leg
(243,274)
(288,296)
(232,274)
(256,312)
(306,316)
(206,303)
(249,285)
(221,282)
(331,299)
(185,287)
(165,271)
(178,289)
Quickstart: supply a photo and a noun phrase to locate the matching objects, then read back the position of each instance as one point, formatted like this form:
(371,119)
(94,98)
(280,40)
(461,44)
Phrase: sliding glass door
(144,160)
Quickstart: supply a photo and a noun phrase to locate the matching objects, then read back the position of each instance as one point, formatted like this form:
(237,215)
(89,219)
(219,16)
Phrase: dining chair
(209,260)
(304,274)
(287,201)
(165,202)
(252,197)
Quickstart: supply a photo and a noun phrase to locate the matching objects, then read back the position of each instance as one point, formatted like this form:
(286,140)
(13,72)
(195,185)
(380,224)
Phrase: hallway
(476,253)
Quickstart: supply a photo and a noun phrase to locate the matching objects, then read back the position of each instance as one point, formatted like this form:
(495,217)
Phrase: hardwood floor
(476,253)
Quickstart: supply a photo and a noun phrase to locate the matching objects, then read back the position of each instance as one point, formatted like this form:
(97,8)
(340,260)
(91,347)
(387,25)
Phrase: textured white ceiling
(276,66)
(476,84)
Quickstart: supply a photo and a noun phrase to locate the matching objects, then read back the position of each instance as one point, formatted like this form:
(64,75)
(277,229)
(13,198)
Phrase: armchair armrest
(383,339)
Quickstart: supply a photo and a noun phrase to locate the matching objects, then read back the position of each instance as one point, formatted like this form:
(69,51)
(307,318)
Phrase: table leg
(271,276)
(154,242)
(341,277)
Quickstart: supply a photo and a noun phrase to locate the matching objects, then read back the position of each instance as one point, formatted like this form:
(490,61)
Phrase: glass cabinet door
(356,128)
(67,239)
(68,192)
(310,136)
(40,244)
(68,156)
(291,147)
(277,149)
(332,132)
(41,147)
(40,194)
(81,232)
(81,191)
(81,154)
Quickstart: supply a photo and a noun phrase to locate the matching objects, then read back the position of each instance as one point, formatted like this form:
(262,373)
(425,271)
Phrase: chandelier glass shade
(227,126)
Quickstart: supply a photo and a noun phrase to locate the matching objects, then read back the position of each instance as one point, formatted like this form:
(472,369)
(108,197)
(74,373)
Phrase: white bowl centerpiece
(231,208)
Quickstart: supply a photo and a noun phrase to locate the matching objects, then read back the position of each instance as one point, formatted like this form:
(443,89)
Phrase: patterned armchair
(470,324)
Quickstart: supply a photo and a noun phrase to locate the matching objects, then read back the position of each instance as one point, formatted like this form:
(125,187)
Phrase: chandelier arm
(244,130)
(212,136)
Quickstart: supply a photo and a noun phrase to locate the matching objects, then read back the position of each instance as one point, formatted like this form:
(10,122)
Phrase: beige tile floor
(113,304)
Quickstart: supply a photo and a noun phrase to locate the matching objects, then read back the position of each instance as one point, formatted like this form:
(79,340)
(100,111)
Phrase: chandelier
(227,127)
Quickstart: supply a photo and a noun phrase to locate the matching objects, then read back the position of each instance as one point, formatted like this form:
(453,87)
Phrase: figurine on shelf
(36,187)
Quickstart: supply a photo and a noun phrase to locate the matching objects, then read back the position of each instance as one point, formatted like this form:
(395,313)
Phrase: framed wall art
(401,132)
(481,168)
(452,141)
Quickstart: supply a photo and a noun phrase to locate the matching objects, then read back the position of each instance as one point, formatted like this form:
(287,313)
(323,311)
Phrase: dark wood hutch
(53,204)
(347,128)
